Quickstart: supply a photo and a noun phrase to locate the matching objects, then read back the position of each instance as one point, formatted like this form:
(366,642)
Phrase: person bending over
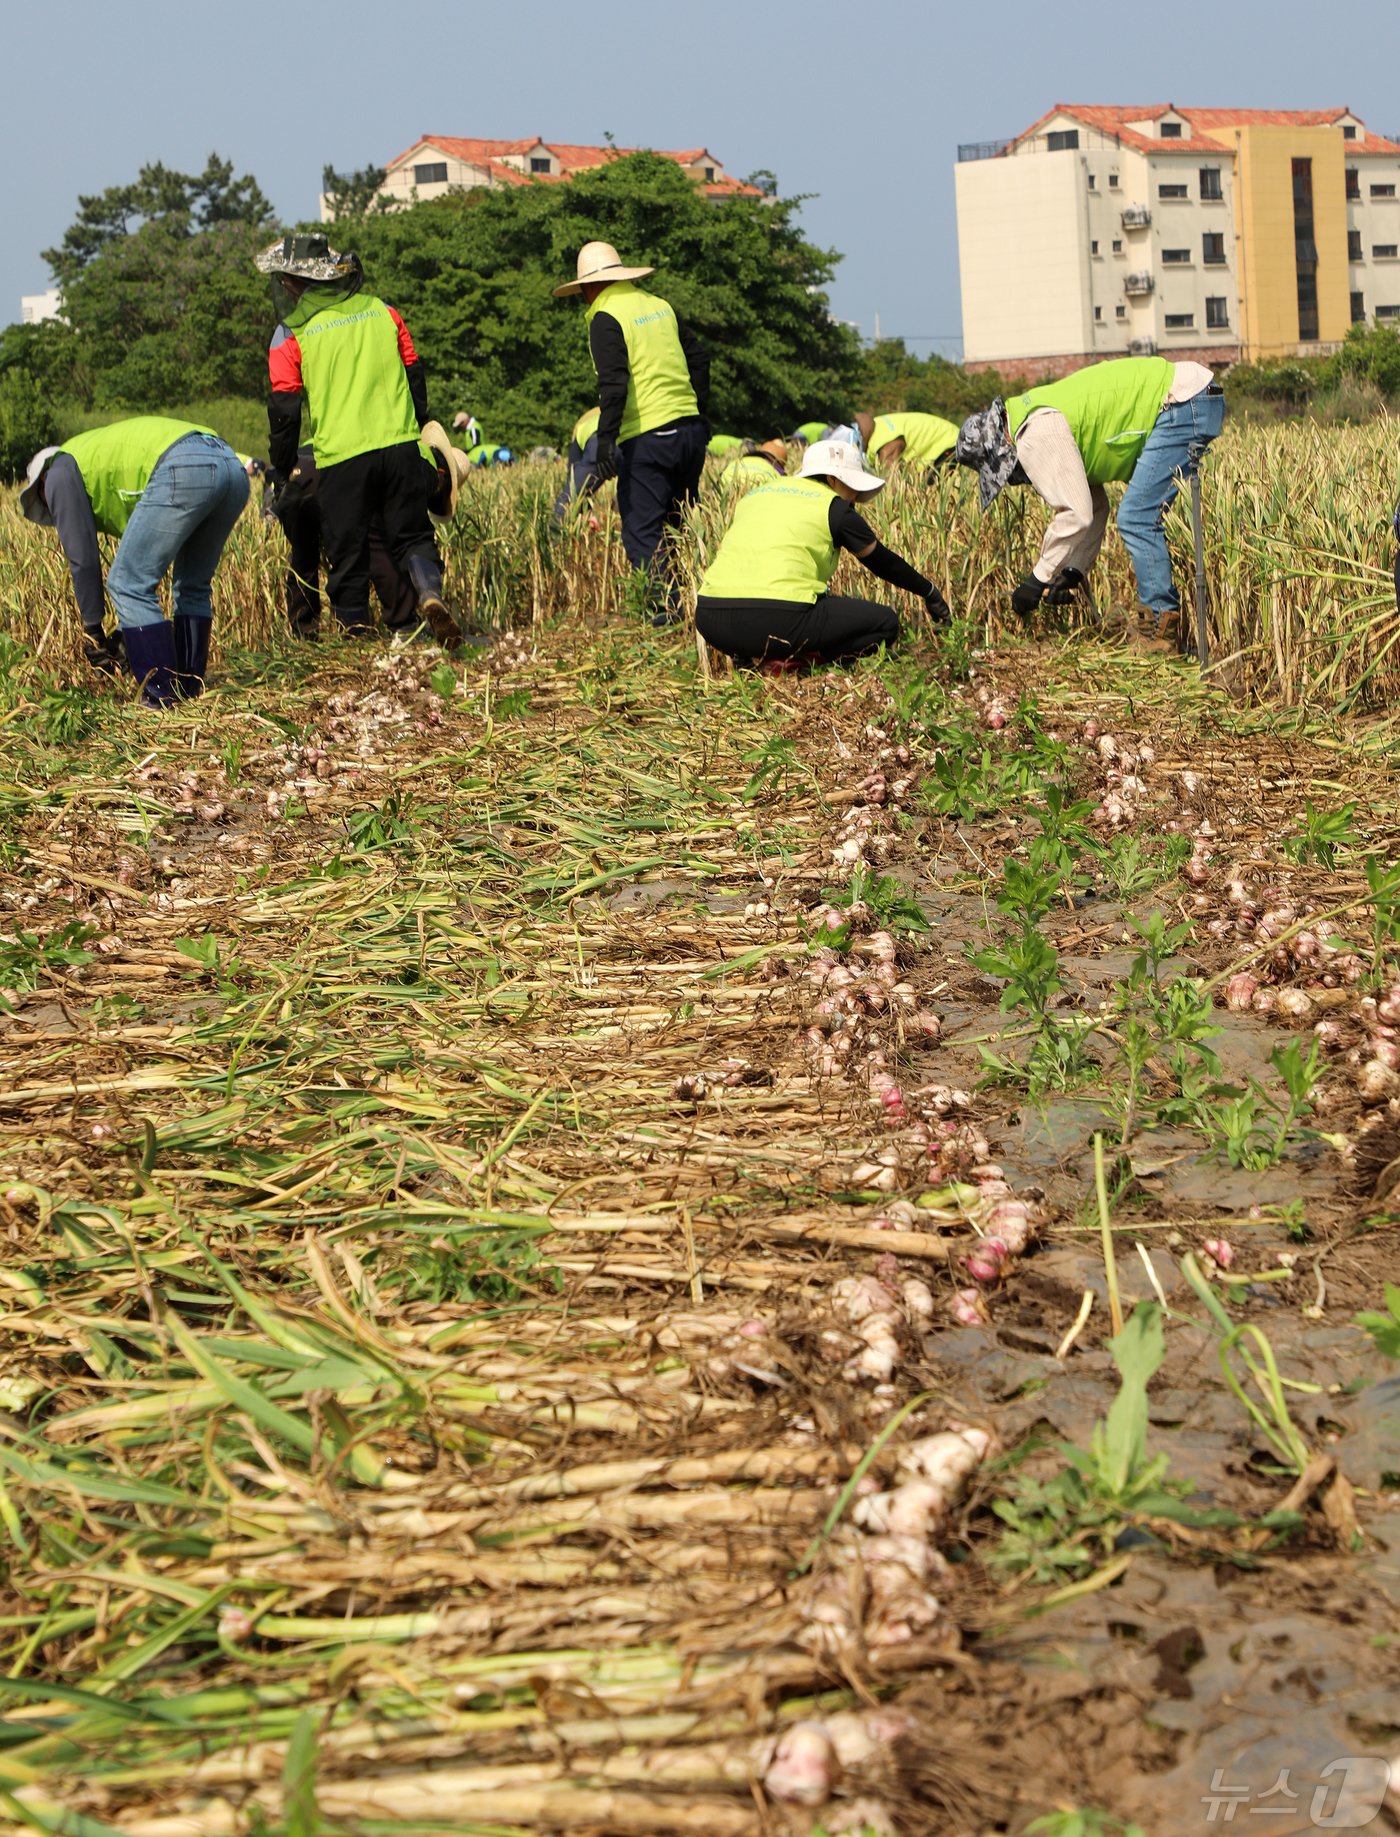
(765,598)
(1144,419)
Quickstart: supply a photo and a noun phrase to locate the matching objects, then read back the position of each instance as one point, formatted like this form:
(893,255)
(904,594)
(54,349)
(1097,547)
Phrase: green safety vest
(484,454)
(586,426)
(1111,408)
(778,545)
(813,430)
(355,385)
(117,461)
(926,437)
(753,469)
(658,382)
(719,444)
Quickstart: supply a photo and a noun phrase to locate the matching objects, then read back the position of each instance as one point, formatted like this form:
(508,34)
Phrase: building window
(709,175)
(1348,130)
(1305,251)
(1098,314)
(1382,191)
(1176,257)
(1117,245)
(539,162)
(1388,312)
(1353,182)
(1171,191)
(1358,309)
(434,173)
(1213,249)
(1120,312)
(1384,251)
(1210,182)
(1170,130)
(1093,182)
(1063,140)
(1113,181)
(1217,312)
(1180,322)
(1354,246)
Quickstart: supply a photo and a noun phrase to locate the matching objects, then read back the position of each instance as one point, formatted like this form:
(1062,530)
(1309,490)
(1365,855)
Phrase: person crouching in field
(171,493)
(764,598)
(910,443)
(1144,419)
(349,360)
(296,507)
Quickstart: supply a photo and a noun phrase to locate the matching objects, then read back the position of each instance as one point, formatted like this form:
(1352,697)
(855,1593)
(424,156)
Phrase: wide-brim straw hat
(599,263)
(434,434)
(30,501)
(840,459)
(309,258)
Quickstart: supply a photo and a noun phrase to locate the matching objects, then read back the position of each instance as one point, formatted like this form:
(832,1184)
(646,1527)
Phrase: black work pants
(299,513)
(583,478)
(657,475)
(388,488)
(757,631)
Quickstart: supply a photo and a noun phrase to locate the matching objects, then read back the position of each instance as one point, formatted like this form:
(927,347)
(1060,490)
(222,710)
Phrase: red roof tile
(489,156)
(1112,119)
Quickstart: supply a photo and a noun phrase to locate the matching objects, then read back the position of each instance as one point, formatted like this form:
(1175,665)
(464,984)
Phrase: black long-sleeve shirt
(608,348)
(849,530)
(71,510)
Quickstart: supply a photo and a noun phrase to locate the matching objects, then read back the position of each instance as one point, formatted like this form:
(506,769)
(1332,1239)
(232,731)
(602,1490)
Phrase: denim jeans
(182,520)
(1179,437)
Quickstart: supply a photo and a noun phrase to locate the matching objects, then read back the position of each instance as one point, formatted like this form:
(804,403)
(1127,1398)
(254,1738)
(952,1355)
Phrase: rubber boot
(191,655)
(425,572)
(102,651)
(150,650)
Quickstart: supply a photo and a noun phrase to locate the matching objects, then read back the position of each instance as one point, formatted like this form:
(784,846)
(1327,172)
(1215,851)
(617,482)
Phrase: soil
(1188,1675)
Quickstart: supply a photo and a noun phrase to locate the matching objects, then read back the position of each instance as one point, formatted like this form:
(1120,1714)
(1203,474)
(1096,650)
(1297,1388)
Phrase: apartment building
(438,163)
(1217,234)
(34,308)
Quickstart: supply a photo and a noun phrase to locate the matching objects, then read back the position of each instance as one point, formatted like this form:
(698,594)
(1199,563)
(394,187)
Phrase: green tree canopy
(473,274)
(353,194)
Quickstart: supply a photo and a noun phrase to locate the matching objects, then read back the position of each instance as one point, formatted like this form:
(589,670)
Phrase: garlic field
(596,1247)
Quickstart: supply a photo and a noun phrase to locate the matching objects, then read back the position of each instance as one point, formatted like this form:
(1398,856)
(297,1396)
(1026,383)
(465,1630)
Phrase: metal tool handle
(1198,537)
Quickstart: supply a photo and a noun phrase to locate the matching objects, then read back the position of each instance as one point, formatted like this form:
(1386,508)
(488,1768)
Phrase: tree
(194,202)
(473,272)
(894,380)
(353,194)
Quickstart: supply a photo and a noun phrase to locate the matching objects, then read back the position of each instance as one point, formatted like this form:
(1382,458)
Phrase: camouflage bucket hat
(309,258)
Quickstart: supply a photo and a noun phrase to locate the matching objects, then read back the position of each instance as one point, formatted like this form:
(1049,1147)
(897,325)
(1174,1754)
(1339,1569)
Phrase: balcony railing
(981,149)
(1138,284)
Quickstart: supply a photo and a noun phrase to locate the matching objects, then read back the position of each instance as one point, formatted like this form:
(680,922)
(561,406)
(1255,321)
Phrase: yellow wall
(1268,272)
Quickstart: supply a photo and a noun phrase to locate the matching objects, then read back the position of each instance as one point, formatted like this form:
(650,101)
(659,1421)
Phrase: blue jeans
(183,518)
(1180,436)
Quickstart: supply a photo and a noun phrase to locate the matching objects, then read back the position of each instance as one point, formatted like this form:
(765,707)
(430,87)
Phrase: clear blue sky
(862,106)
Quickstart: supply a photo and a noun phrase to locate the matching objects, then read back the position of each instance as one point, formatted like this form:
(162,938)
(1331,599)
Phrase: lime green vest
(752,469)
(778,545)
(719,444)
(813,430)
(117,461)
(586,426)
(1111,408)
(926,437)
(354,381)
(658,382)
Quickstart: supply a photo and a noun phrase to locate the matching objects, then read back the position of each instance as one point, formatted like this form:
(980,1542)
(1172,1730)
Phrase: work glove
(102,652)
(607,461)
(1028,595)
(1067,585)
(937,607)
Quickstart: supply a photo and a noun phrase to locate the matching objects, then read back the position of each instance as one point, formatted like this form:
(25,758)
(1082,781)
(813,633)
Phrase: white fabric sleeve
(1052,462)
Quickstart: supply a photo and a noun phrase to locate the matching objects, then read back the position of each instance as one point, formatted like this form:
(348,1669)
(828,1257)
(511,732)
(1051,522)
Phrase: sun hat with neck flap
(599,263)
(840,459)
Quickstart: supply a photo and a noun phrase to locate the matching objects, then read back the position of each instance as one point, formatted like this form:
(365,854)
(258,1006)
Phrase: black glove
(1028,595)
(607,462)
(1067,585)
(102,652)
(938,608)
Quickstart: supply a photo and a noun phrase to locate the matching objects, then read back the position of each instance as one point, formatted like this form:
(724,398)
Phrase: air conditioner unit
(1136,217)
(1138,283)
(1142,347)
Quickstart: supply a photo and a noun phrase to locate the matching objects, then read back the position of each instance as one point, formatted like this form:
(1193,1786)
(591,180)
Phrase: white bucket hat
(433,434)
(839,459)
(600,262)
(30,502)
